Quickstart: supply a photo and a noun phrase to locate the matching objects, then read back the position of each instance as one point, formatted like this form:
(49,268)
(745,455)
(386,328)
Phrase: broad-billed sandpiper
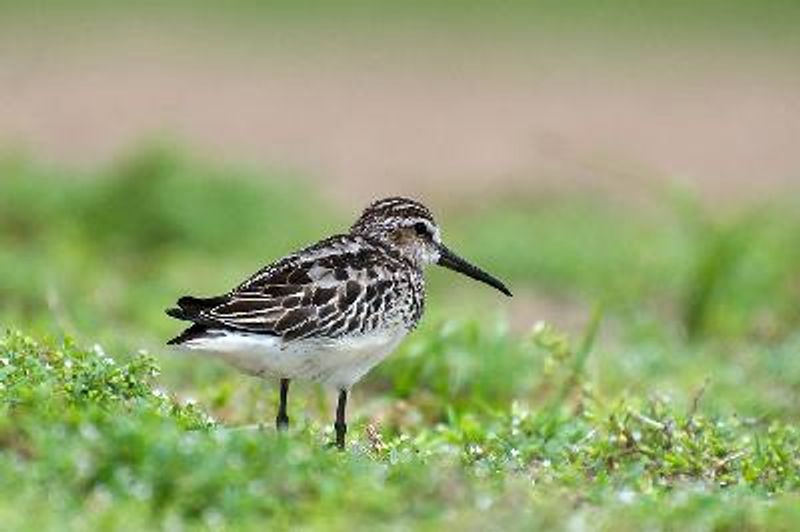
(332,311)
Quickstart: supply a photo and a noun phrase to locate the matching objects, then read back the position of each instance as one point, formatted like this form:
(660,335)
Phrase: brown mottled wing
(328,290)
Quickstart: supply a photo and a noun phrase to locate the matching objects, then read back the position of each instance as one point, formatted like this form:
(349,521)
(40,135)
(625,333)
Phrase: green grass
(109,449)
(674,407)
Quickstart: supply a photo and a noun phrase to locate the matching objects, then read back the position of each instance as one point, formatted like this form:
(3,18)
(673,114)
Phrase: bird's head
(409,228)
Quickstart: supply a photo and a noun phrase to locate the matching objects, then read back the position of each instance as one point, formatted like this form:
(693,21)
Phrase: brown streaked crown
(389,213)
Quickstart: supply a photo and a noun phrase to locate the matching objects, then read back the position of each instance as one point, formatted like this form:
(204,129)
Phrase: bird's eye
(421,229)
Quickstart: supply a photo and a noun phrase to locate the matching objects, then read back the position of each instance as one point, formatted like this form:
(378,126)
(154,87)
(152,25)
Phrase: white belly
(339,363)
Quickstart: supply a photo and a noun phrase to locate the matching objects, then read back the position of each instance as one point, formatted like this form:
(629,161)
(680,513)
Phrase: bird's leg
(282,421)
(341,424)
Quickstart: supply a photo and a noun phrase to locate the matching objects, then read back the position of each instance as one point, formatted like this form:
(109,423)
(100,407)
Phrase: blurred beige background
(368,110)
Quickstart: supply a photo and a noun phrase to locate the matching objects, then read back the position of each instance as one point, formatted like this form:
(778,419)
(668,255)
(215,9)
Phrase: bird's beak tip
(504,289)
(450,260)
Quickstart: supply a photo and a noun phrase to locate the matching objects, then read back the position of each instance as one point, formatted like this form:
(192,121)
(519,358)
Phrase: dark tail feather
(196,304)
(190,307)
(192,333)
(177,313)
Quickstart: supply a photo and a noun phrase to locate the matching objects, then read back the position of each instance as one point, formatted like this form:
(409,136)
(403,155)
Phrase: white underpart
(338,363)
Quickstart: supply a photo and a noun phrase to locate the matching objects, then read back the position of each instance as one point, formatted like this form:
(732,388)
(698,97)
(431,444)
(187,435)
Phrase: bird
(329,312)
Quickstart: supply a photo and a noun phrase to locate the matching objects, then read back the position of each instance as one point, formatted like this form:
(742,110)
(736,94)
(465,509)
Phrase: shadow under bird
(332,311)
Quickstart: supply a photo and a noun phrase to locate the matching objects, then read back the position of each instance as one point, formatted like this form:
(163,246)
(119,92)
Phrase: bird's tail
(192,333)
(189,307)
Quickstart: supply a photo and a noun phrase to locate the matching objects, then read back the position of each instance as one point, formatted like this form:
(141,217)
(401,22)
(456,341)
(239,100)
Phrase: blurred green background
(629,168)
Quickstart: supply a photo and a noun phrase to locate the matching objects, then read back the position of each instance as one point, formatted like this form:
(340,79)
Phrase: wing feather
(326,290)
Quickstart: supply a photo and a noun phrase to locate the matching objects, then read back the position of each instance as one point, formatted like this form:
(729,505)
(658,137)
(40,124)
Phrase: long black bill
(450,260)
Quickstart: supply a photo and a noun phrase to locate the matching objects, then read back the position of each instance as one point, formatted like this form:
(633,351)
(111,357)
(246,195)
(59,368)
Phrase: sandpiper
(332,311)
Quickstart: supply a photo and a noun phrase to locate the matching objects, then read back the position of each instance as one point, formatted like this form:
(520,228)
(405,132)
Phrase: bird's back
(342,286)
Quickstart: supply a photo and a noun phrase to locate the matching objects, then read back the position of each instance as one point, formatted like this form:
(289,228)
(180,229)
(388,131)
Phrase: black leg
(341,424)
(282,421)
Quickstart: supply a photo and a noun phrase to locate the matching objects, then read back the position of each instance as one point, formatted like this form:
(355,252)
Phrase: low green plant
(110,448)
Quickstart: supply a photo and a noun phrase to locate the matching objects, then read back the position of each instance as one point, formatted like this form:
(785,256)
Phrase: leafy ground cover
(674,407)
(101,445)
